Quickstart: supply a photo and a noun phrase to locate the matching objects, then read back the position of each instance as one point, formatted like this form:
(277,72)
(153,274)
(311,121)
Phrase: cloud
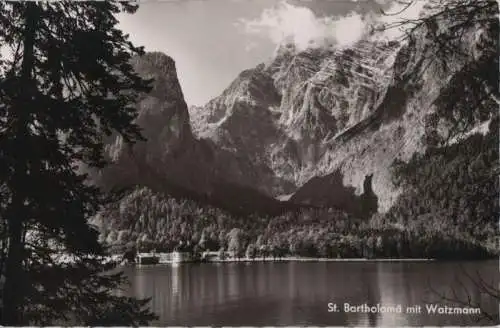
(298,25)
(349,29)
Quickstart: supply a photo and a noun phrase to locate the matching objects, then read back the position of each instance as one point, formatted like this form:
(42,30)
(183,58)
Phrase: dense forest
(453,188)
(447,210)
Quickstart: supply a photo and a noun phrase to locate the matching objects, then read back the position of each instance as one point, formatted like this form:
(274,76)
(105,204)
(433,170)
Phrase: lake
(299,293)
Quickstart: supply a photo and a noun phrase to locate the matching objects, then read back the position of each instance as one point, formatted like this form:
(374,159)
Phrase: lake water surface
(298,293)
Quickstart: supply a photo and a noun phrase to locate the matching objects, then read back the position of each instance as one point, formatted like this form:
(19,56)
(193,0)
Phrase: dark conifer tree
(66,84)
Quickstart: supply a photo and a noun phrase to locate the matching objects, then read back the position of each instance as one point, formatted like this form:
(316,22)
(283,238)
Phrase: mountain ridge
(354,110)
(288,124)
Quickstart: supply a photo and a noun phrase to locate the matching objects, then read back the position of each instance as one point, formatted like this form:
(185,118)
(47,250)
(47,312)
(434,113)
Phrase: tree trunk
(3,248)
(12,294)
(16,213)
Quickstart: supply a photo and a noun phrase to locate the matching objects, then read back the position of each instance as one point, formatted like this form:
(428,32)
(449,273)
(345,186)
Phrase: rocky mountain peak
(164,119)
(354,110)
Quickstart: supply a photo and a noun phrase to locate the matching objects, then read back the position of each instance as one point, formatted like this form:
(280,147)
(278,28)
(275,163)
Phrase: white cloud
(300,26)
(350,29)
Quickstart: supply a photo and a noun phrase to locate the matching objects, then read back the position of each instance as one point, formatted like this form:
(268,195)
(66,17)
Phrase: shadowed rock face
(329,191)
(172,160)
(164,120)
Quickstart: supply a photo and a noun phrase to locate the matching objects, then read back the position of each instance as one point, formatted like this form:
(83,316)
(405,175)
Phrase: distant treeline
(448,210)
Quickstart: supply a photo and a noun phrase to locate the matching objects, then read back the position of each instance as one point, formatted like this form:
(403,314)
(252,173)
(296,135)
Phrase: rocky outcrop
(172,160)
(290,114)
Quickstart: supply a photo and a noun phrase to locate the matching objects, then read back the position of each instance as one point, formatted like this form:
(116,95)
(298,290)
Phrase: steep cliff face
(285,113)
(164,120)
(172,160)
(290,113)
(308,114)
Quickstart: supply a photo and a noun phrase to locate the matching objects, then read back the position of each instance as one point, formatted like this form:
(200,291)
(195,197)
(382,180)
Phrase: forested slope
(448,210)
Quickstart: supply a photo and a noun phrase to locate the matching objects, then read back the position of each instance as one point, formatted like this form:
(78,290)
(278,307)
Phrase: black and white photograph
(249,163)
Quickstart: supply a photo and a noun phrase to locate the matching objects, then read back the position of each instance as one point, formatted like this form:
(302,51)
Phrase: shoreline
(319,259)
(289,259)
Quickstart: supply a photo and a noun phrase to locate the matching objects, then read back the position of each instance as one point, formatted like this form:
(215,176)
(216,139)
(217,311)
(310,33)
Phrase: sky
(212,41)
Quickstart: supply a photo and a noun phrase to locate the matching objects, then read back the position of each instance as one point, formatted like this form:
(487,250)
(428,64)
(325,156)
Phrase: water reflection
(298,293)
(175,279)
(393,293)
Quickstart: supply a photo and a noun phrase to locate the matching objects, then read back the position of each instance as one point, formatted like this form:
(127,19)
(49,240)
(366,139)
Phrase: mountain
(172,160)
(290,114)
(307,114)
(319,127)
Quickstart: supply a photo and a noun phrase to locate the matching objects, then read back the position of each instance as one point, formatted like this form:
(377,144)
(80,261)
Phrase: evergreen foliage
(454,187)
(144,220)
(67,84)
